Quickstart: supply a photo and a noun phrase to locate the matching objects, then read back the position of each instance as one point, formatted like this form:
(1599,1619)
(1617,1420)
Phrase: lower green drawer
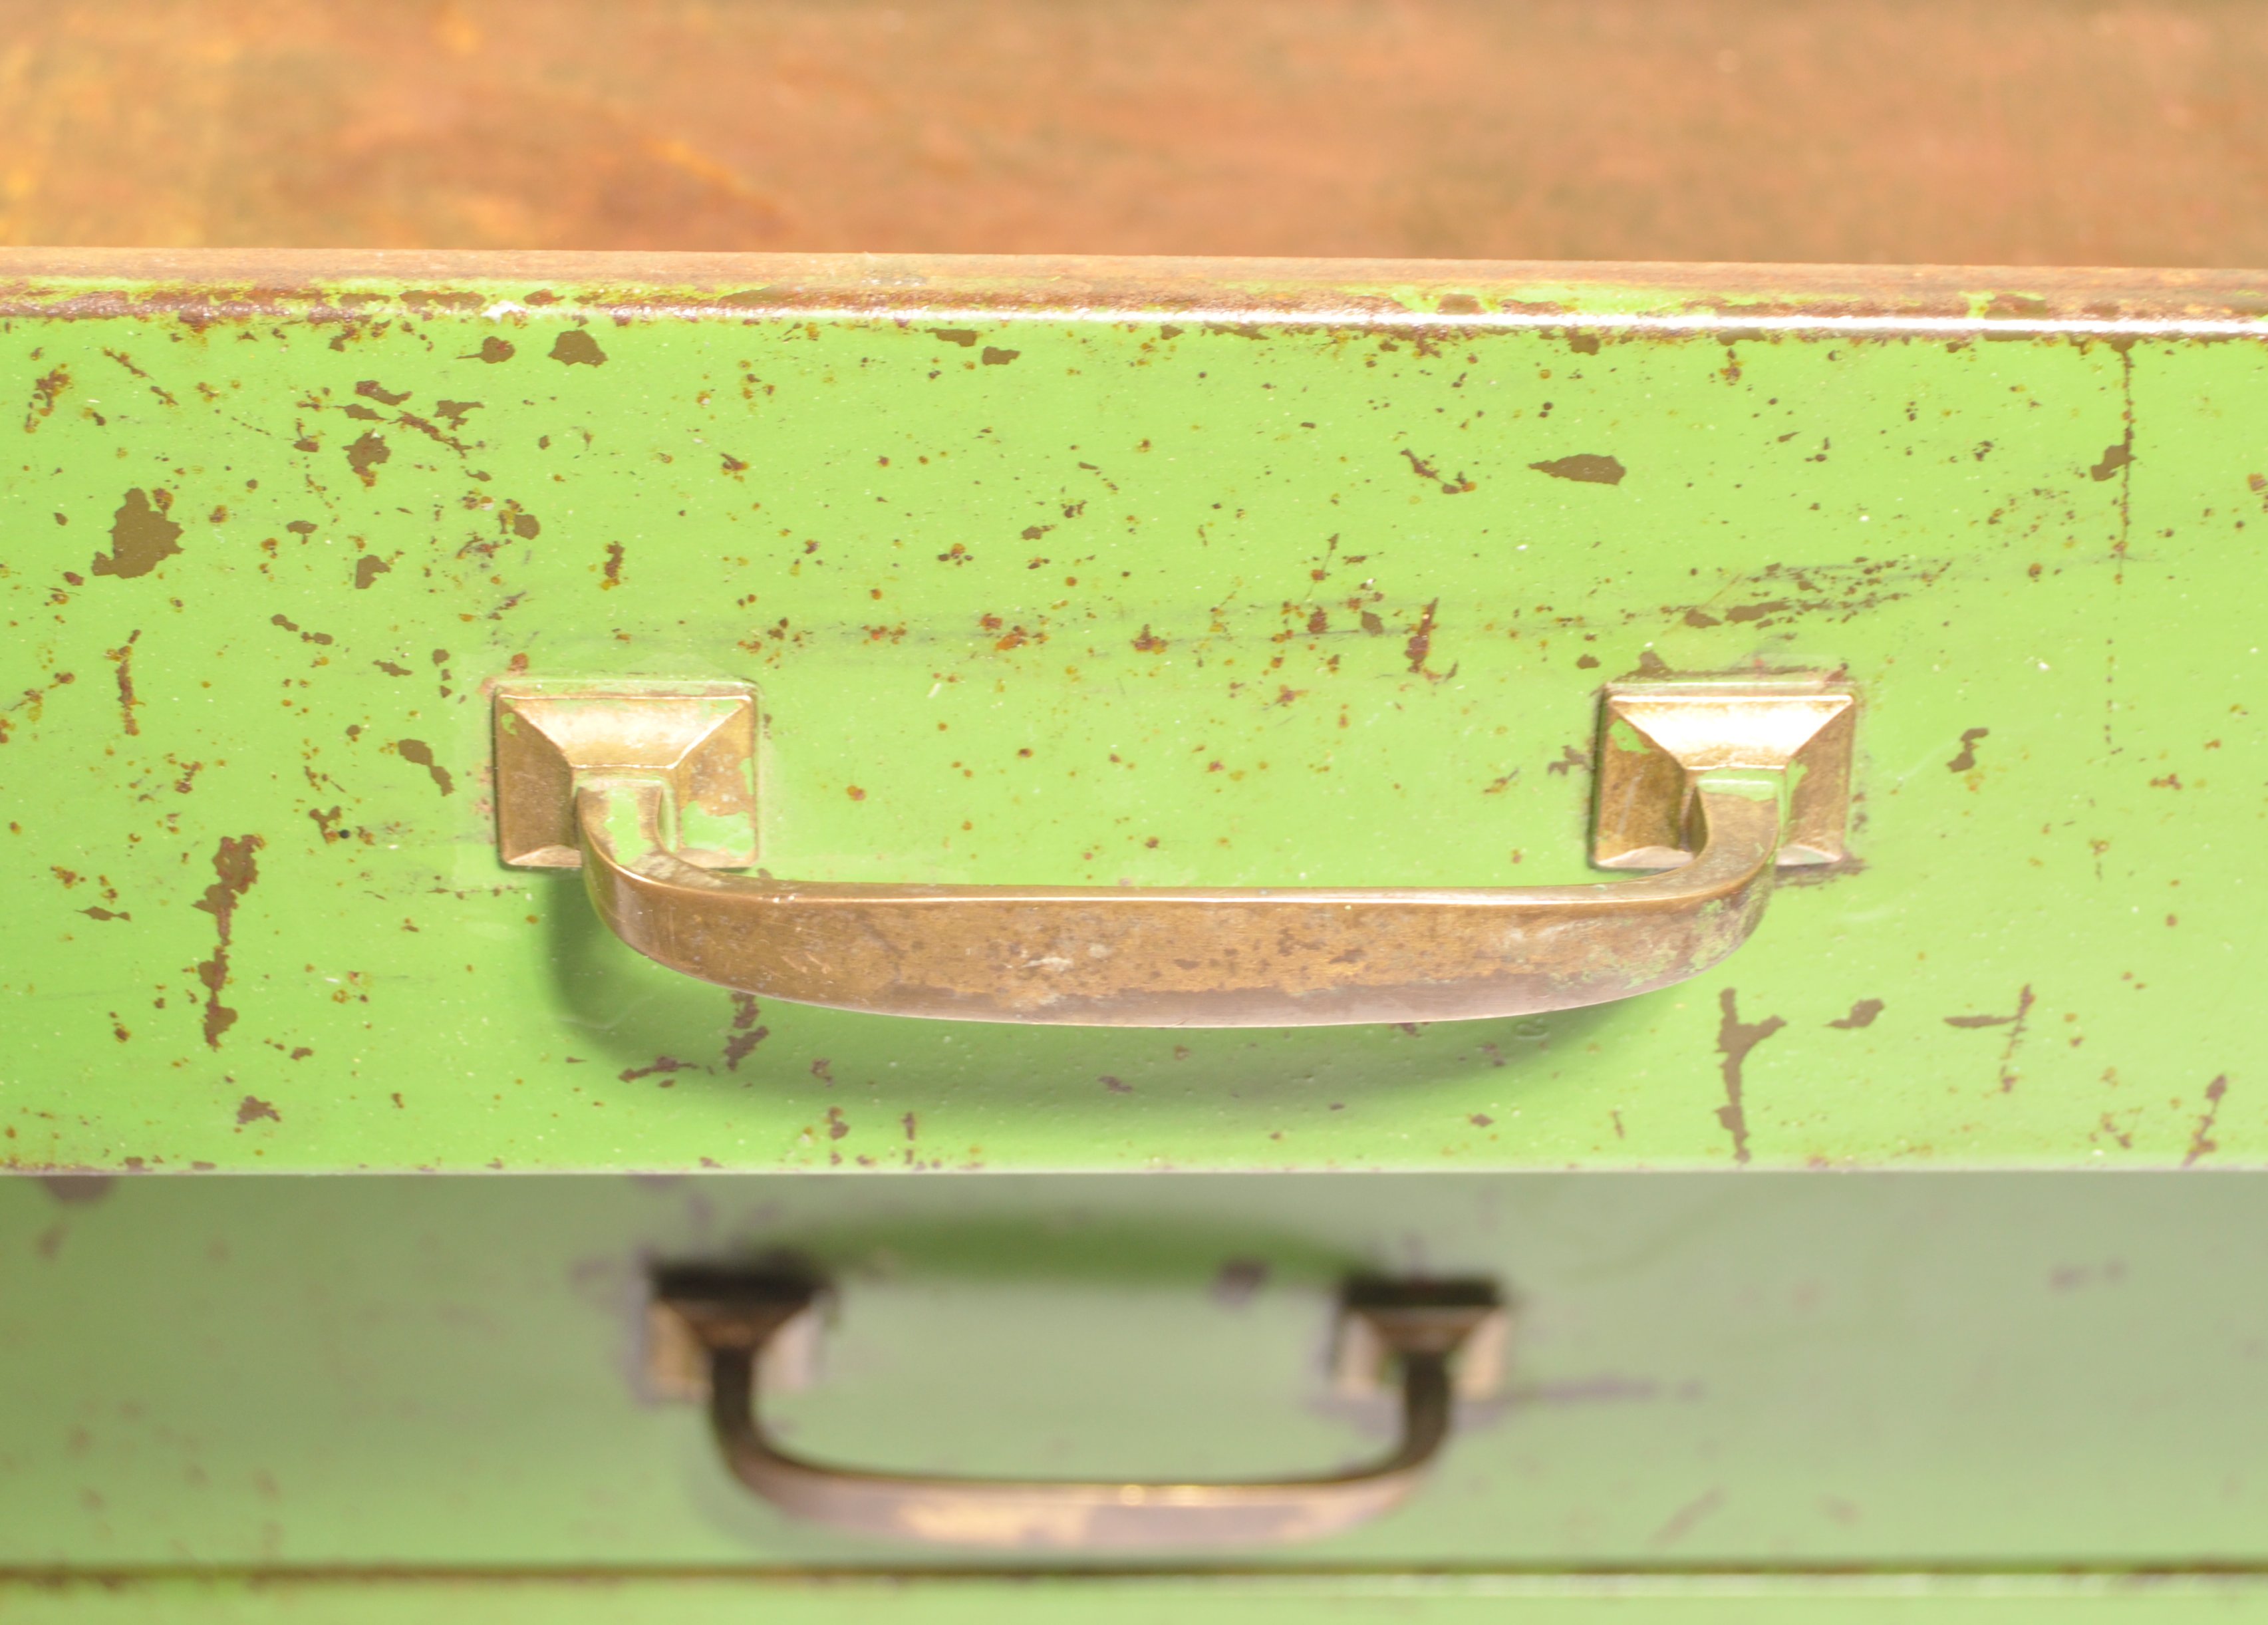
(1736,1599)
(1783,1373)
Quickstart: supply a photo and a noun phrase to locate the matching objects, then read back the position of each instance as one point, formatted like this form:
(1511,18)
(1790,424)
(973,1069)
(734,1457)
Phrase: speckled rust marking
(45,393)
(236,868)
(122,658)
(1424,470)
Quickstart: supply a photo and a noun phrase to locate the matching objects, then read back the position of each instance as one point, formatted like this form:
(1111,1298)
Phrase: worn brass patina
(1724,781)
(736,1318)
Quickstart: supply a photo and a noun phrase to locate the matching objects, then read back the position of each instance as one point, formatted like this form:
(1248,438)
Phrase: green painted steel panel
(1895,1373)
(1208,574)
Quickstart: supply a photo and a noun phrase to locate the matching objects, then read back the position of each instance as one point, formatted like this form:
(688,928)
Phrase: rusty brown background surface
(1951,131)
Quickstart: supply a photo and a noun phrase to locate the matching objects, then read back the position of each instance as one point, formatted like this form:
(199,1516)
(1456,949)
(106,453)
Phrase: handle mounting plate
(700,737)
(1653,736)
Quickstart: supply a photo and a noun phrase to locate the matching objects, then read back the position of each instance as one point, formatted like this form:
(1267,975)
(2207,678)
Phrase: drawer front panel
(1966,1372)
(1184,581)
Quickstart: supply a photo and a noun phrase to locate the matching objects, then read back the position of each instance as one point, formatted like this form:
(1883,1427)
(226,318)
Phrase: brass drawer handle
(721,1324)
(649,788)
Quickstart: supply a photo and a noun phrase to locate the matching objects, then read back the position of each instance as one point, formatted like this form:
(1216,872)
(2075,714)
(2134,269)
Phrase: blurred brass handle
(1716,771)
(1418,1330)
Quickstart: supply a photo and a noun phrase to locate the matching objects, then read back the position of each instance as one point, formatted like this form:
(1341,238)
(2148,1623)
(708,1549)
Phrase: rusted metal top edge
(209,285)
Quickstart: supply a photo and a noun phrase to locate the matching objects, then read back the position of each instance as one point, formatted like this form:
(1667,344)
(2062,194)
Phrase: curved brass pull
(732,1319)
(1744,777)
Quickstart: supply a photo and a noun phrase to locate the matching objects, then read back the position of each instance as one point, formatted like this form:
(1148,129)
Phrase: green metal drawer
(1151,573)
(1955,1376)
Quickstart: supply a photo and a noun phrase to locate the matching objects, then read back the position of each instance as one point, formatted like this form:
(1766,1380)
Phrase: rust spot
(575,347)
(2016,1023)
(745,1034)
(662,1064)
(1570,760)
(141,536)
(965,337)
(2114,457)
(835,1127)
(1149,643)
(1421,645)
(993,358)
(1589,467)
(1736,1039)
(2201,1143)
(1481,1120)
(823,1069)
(1966,759)
(236,868)
(123,657)
(491,350)
(365,454)
(368,569)
(854,793)
(45,392)
(251,1108)
(612,573)
(422,754)
(1755,611)
(1862,1015)
(371,389)
(1424,470)
(1115,1085)
(290,625)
